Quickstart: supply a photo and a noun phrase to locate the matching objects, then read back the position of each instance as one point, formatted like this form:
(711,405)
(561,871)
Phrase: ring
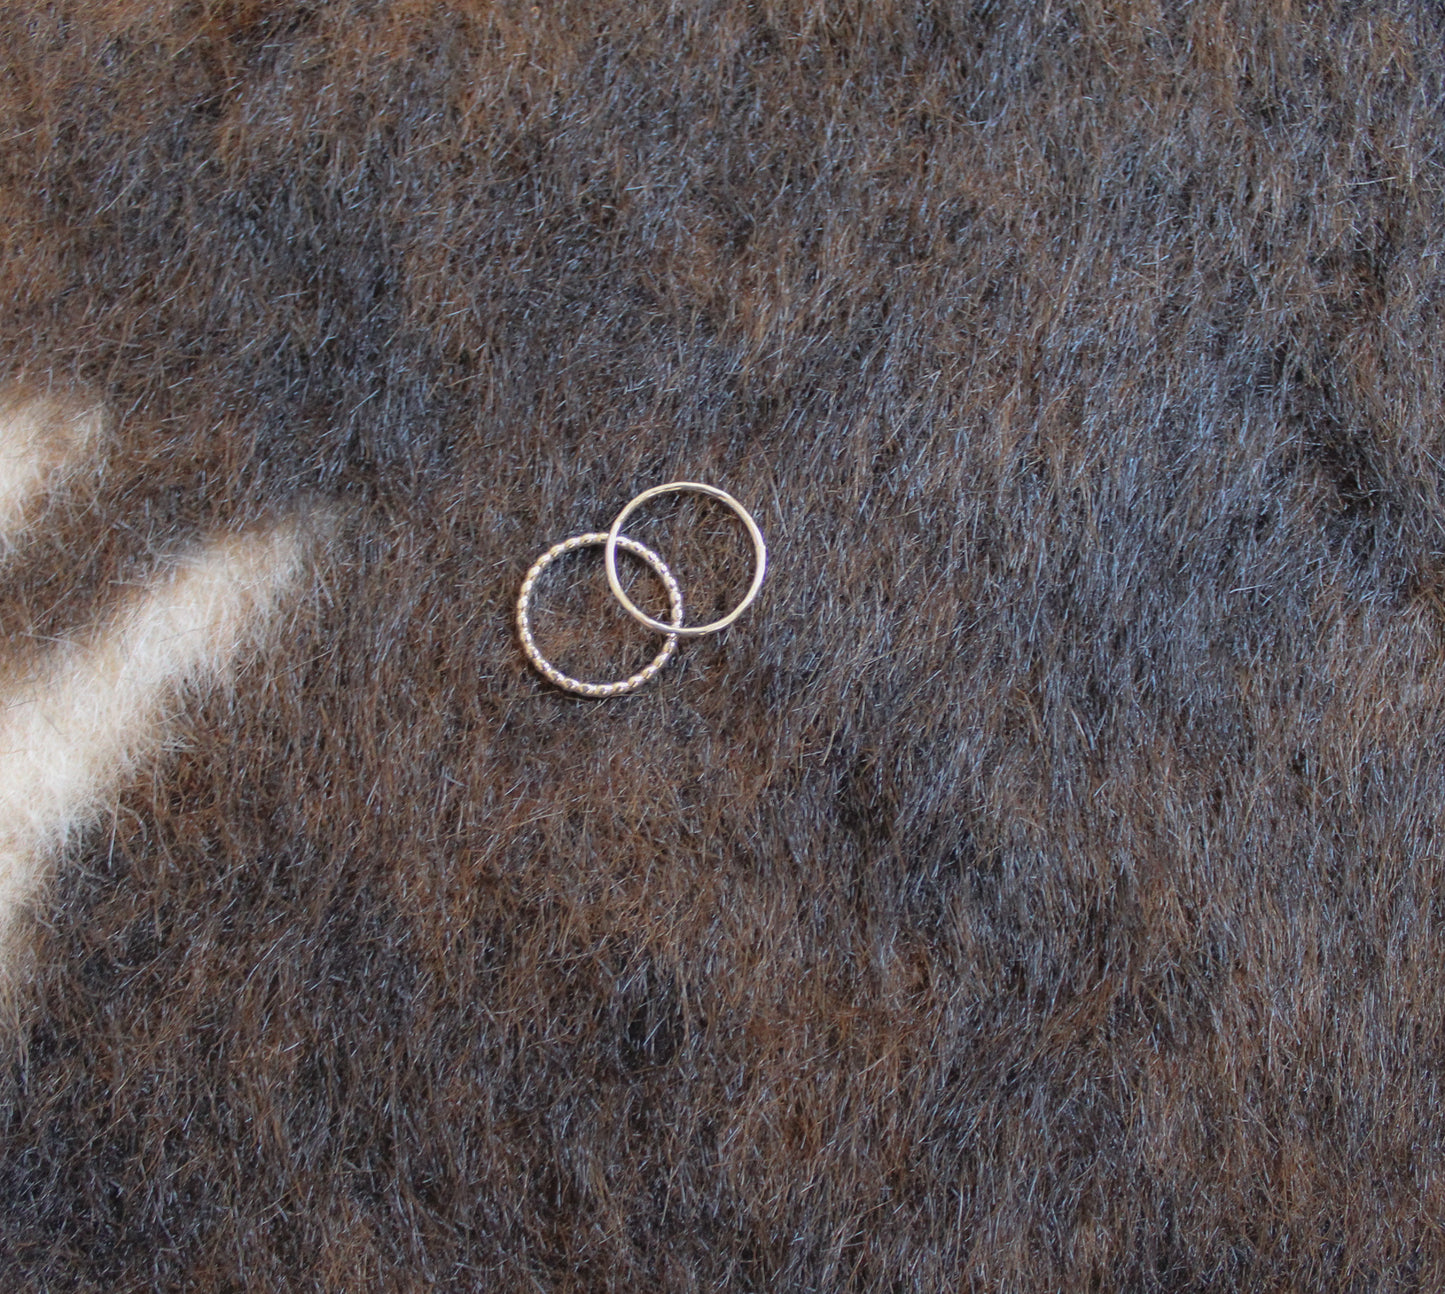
(550,671)
(614,538)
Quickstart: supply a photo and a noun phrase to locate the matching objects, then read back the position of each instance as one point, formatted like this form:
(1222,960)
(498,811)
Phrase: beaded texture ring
(598,539)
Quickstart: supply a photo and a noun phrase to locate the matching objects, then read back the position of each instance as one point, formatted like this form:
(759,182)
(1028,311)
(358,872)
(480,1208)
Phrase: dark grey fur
(1040,889)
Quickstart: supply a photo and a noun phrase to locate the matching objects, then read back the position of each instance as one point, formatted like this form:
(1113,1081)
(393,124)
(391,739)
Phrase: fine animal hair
(1040,888)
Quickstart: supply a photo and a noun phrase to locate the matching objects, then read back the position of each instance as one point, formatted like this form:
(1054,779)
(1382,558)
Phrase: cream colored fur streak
(41,442)
(94,709)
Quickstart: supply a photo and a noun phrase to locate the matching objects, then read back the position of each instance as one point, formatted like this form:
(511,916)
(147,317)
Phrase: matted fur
(1039,889)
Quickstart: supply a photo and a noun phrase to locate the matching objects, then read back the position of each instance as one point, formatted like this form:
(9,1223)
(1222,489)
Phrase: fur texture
(87,716)
(41,444)
(1041,888)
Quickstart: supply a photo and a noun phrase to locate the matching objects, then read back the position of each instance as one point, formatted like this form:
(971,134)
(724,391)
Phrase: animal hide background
(1039,888)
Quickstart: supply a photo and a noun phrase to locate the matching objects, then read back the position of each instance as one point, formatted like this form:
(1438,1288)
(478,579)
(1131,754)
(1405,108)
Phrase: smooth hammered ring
(615,538)
(550,671)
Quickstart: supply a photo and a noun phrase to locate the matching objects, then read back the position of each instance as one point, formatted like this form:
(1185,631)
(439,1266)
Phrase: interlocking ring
(550,671)
(611,542)
(615,539)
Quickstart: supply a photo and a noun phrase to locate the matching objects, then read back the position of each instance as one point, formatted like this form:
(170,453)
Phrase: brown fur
(1040,888)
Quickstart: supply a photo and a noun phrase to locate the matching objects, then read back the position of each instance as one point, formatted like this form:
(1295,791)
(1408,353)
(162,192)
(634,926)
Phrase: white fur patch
(41,442)
(78,725)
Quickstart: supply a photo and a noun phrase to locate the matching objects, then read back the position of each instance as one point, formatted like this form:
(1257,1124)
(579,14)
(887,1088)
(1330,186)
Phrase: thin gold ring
(550,671)
(615,538)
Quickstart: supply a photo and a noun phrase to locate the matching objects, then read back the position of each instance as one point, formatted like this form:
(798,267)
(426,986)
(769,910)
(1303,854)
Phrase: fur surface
(85,717)
(41,444)
(1041,888)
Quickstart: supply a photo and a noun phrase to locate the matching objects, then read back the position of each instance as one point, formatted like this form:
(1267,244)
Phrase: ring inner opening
(579,626)
(705,544)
